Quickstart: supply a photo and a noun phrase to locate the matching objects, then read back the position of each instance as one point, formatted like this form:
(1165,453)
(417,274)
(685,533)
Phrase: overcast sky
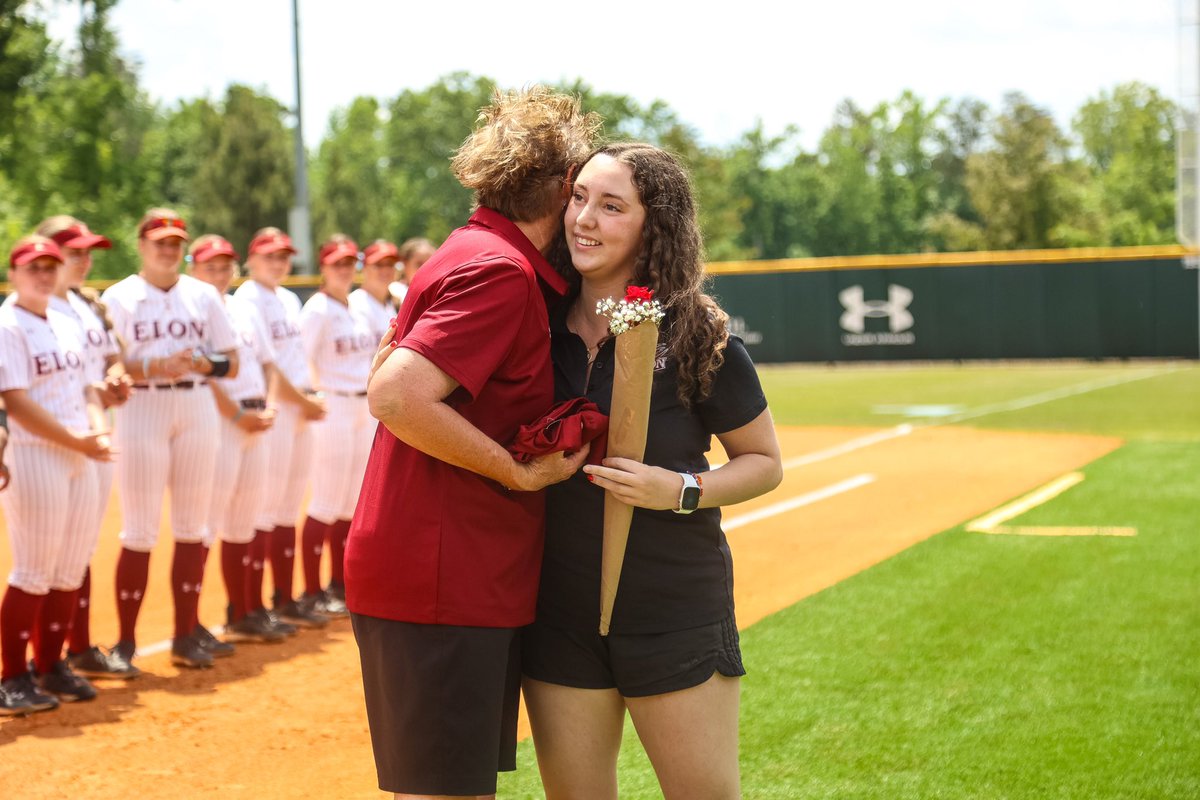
(720,66)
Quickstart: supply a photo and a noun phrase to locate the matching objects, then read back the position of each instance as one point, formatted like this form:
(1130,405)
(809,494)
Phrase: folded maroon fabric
(565,428)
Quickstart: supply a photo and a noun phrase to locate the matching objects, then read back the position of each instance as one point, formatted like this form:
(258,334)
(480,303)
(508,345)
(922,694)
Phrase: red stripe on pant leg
(233,569)
(18,616)
(52,628)
(338,533)
(79,637)
(283,564)
(254,570)
(133,570)
(187,570)
(312,545)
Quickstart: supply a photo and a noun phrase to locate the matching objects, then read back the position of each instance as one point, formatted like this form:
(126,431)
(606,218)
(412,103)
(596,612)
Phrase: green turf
(1163,406)
(977,666)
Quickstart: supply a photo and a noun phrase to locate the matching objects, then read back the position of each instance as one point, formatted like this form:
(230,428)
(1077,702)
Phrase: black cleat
(332,602)
(215,647)
(188,652)
(62,682)
(287,628)
(255,627)
(20,696)
(96,663)
(302,613)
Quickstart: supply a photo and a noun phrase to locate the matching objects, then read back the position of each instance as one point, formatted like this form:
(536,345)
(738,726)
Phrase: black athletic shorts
(442,704)
(637,665)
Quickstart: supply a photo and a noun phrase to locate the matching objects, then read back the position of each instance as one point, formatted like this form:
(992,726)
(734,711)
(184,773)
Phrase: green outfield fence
(1138,302)
(1091,303)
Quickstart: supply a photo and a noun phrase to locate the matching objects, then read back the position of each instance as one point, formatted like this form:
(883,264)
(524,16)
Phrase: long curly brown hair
(671,262)
(526,145)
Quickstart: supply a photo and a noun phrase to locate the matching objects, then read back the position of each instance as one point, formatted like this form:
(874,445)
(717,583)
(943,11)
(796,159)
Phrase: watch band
(689,495)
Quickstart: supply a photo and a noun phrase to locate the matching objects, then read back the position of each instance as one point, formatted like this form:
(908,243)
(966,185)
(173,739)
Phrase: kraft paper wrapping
(628,419)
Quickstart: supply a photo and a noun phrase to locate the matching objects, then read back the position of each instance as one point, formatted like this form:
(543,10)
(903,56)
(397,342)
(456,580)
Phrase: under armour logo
(895,308)
(289,552)
(246,561)
(55,626)
(317,550)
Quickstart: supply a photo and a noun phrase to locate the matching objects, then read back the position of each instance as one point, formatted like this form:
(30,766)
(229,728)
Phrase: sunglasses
(161,222)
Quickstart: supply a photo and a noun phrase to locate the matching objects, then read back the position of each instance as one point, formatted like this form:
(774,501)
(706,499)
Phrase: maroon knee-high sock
(133,571)
(313,543)
(187,571)
(79,635)
(18,617)
(233,569)
(52,628)
(254,570)
(283,561)
(338,533)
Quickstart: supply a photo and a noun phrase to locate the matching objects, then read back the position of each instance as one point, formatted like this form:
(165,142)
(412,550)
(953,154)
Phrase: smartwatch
(689,496)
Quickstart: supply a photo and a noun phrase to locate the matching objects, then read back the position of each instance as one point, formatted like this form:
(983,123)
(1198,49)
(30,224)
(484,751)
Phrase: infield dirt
(287,720)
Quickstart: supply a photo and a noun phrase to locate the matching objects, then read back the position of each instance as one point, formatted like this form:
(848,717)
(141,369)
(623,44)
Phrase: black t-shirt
(677,572)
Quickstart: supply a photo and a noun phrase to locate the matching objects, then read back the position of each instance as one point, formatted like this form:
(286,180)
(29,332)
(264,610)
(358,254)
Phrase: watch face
(691,498)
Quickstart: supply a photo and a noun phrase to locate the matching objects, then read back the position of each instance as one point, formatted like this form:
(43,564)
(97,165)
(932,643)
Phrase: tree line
(79,135)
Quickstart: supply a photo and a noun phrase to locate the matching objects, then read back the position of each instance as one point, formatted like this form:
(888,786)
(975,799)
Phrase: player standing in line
(413,254)
(373,299)
(112,383)
(289,441)
(57,426)
(240,482)
(176,336)
(339,343)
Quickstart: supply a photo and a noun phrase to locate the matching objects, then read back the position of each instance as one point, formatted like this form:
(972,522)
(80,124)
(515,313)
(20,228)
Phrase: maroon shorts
(442,704)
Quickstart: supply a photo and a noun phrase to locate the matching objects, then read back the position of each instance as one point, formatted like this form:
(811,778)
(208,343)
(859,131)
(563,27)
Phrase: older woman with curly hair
(671,657)
(442,560)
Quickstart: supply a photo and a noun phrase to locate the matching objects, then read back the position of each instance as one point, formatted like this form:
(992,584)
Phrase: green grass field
(977,666)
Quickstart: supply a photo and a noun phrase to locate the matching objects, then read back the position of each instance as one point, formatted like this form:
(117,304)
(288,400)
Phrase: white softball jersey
(279,309)
(101,344)
(379,315)
(254,351)
(46,356)
(167,435)
(340,346)
(49,505)
(155,323)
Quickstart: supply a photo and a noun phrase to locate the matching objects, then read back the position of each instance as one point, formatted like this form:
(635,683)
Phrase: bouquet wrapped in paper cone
(634,321)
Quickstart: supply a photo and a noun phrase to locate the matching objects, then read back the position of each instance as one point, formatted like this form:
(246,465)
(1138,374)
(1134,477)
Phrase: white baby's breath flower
(625,314)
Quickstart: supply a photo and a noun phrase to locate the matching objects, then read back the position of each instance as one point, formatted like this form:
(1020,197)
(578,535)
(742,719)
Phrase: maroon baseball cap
(379,251)
(216,246)
(78,237)
(32,249)
(157,228)
(266,243)
(333,252)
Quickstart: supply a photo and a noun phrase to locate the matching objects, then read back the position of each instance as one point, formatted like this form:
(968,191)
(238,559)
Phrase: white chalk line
(982,411)
(806,499)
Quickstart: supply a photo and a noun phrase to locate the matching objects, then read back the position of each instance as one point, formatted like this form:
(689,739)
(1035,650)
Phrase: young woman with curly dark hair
(671,657)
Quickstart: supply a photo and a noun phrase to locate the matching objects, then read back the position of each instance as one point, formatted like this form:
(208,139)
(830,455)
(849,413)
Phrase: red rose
(638,294)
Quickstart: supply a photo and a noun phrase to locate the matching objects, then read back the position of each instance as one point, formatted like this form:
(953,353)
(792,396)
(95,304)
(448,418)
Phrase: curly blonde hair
(526,146)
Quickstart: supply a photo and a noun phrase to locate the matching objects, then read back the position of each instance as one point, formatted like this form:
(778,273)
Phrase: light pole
(298,217)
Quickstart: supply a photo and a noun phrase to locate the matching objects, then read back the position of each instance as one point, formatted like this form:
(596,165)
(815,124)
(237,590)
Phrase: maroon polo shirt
(433,543)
